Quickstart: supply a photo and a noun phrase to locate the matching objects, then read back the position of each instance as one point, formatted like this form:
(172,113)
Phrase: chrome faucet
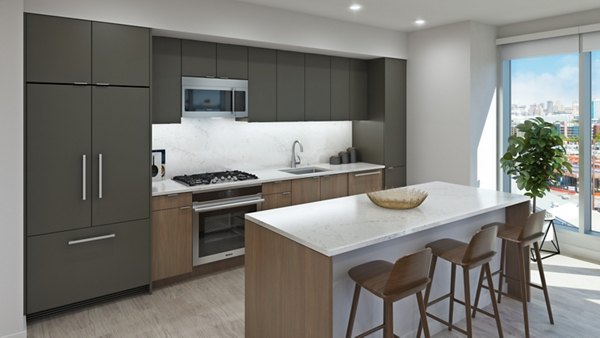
(296,158)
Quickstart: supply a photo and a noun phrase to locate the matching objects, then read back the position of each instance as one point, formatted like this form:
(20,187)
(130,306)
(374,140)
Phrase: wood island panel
(288,287)
(516,215)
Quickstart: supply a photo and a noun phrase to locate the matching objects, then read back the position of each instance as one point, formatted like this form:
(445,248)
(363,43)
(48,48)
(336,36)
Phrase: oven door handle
(227,205)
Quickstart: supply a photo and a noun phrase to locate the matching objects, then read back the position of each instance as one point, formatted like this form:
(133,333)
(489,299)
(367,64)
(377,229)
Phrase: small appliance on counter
(157,164)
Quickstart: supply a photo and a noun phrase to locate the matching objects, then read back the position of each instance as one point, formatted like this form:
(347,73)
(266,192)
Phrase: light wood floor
(213,306)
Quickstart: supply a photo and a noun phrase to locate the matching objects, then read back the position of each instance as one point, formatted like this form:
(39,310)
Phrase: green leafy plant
(536,157)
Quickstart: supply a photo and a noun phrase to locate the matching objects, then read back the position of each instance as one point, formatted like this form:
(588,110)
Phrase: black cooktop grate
(214,178)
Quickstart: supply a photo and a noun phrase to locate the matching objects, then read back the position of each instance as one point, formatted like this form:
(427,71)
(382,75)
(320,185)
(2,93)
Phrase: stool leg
(422,313)
(388,319)
(428,289)
(490,282)
(452,287)
(536,248)
(479,283)
(523,283)
(467,300)
(502,267)
(353,311)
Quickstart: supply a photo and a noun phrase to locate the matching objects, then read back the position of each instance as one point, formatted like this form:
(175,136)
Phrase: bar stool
(391,282)
(478,252)
(521,236)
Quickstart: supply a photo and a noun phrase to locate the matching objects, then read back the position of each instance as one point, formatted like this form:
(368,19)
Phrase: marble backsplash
(203,145)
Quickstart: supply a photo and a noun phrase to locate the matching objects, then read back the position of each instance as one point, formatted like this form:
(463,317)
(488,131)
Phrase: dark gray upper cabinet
(58,50)
(121,138)
(317,98)
(290,86)
(340,89)
(166,80)
(232,61)
(58,173)
(358,90)
(262,85)
(198,58)
(395,112)
(120,55)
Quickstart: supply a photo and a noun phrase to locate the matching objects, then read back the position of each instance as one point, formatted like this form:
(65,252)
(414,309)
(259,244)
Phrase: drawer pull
(172,195)
(183,208)
(91,239)
(368,174)
(285,193)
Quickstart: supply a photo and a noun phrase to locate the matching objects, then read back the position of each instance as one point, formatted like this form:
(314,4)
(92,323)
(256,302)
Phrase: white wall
(438,105)
(201,145)
(228,20)
(451,110)
(11,170)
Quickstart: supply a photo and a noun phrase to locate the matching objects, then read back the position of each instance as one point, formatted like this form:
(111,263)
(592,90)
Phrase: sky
(550,78)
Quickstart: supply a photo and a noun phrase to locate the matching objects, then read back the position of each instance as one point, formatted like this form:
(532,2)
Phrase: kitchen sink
(303,170)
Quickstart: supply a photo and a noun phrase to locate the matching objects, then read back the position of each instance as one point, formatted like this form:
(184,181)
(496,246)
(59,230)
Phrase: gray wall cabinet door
(121,134)
(232,61)
(395,177)
(166,80)
(121,54)
(290,86)
(395,112)
(59,273)
(58,178)
(358,90)
(262,85)
(57,50)
(198,58)
(317,106)
(340,89)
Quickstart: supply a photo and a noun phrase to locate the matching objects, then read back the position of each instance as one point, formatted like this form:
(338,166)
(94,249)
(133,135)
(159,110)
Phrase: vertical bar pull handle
(99,175)
(233,101)
(83,164)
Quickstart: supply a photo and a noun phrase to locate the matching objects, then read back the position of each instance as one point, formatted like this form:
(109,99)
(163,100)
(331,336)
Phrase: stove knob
(235,178)
(214,180)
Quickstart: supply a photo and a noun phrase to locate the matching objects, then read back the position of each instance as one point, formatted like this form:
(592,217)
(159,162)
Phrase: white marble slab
(341,225)
(168,186)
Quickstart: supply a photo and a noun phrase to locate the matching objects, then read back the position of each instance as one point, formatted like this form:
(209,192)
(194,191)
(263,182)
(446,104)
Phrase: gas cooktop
(213,178)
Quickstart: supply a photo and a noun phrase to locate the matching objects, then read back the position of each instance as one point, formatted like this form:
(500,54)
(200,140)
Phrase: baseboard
(20,334)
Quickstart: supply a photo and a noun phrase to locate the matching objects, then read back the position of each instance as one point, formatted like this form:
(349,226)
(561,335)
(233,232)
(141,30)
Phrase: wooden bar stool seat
(521,236)
(478,252)
(391,282)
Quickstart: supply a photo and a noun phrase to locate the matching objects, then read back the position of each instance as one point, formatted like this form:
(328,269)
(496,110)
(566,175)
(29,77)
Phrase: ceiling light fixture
(355,7)
(419,22)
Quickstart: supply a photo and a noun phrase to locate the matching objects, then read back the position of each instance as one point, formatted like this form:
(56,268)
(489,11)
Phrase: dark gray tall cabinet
(87,160)
(382,138)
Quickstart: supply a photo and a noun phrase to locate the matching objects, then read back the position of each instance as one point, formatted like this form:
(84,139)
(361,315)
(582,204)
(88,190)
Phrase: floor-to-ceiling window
(548,87)
(595,116)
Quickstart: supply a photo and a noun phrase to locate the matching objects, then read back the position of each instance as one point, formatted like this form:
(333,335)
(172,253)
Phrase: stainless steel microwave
(212,97)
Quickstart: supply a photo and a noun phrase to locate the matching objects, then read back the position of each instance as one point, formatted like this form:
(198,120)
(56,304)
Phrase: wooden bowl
(399,198)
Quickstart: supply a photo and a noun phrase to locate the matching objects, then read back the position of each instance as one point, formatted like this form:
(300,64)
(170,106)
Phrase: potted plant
(536,157)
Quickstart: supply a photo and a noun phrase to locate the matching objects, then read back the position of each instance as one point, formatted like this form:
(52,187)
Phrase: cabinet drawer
(278,200)
(171,201)
(276,187)
(72,266)
(366,181)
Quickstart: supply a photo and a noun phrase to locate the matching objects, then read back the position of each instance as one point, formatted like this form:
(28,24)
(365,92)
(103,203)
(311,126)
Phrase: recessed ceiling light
(419,22)
(355,7)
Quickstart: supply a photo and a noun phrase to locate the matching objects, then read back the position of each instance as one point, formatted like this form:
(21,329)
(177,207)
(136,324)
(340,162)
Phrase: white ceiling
(400,14)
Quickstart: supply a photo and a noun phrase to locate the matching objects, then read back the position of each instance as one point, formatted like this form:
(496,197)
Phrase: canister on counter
(352,152)
(345,156)
(335,160)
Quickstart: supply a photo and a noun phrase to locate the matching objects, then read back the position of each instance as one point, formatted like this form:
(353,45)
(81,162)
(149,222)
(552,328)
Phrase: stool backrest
(482,245)
(534,227)
(409,271)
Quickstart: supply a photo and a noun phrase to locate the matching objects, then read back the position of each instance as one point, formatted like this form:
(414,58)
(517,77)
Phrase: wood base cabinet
(366,181)
(306,190)
(277,195)
(334,186)
(72,266)
(171,236)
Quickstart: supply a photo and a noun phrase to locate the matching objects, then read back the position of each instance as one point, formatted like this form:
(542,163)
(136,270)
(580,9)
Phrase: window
(595,116)
(548,87)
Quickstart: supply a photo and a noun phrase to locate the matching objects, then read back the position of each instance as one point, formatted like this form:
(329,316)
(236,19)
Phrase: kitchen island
(297,257)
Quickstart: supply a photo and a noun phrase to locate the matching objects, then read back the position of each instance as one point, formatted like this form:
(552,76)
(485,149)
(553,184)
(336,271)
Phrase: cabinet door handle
(172,195)
(99,175)
(78,83)
(102,84)
(368,174)
(83,169)
(232,100)
(91,239)
(285,193)
(183,208)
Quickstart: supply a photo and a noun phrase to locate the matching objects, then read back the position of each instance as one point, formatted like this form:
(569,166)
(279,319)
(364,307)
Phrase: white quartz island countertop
(169,186)
(341,225)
